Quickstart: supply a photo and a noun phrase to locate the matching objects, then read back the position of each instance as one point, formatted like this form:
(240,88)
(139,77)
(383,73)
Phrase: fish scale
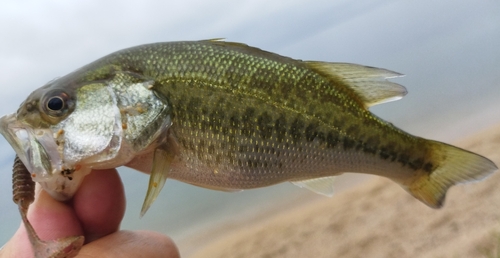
(255,79)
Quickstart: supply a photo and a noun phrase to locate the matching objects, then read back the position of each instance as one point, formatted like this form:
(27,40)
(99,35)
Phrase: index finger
(99,203)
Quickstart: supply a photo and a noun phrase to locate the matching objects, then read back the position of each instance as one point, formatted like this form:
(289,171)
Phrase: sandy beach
(376,218)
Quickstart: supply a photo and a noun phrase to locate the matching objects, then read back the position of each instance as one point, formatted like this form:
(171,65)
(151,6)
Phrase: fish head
(64,129)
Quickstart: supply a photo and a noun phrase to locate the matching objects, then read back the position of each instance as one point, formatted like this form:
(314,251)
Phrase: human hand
(95,212)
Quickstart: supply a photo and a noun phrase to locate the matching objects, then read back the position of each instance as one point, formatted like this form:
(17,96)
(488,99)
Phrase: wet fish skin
(244,118)
(267,111)
(247,118)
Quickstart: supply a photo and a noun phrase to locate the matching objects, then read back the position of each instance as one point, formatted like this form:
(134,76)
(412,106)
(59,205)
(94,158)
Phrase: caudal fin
(459,166)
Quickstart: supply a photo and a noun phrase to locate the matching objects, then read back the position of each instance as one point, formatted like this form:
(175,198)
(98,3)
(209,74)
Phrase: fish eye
(55,103)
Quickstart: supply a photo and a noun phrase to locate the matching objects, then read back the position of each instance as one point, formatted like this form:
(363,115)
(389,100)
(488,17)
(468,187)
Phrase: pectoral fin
(322,185)
(159,173)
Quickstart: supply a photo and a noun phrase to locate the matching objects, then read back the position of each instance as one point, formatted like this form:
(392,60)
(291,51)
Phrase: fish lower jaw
(64,184)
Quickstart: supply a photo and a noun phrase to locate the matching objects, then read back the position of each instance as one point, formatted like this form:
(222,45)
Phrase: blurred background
(449,51)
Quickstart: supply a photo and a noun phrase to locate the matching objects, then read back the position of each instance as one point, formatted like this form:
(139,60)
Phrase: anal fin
(322,185)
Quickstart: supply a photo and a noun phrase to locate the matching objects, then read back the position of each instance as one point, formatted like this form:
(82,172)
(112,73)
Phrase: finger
(17,246)
(50,219)
(131,244)
(99,203)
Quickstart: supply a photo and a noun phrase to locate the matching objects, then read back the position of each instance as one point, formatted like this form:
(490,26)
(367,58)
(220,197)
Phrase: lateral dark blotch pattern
(384,153)
(247,122)
(216,118)
(280,127)
(311,132)
(348,143)
(296,129)
(416,164)
(234,122)
(404,159)
(332,140)
(264,123)
(194,107)
(429,167)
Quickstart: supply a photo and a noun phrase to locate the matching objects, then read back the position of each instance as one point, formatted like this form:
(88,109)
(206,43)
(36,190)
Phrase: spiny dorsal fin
(322,185)
(242,47)
(369,83)
(214,39)
(223,42)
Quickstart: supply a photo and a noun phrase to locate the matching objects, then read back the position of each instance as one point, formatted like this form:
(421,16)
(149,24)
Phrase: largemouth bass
(227,116)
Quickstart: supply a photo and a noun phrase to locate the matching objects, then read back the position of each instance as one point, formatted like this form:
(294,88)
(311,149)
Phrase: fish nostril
(29,107)
(25,108)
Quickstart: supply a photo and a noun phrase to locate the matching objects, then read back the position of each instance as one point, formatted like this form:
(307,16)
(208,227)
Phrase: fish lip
(36,148)
(18,137)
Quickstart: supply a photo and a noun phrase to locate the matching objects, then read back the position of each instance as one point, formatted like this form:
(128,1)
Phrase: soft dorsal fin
(369,83)
(322,185)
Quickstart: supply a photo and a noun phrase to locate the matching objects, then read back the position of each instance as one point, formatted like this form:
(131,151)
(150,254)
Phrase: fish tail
(455,166)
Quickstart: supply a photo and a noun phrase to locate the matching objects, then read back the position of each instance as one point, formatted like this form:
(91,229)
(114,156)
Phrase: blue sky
(448,49)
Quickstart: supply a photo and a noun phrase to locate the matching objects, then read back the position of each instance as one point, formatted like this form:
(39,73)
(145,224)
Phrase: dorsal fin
(214,39)
(223,42)
(369,83)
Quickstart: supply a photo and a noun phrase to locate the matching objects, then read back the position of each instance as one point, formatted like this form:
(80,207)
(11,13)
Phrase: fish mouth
(39,152)
(36,148)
